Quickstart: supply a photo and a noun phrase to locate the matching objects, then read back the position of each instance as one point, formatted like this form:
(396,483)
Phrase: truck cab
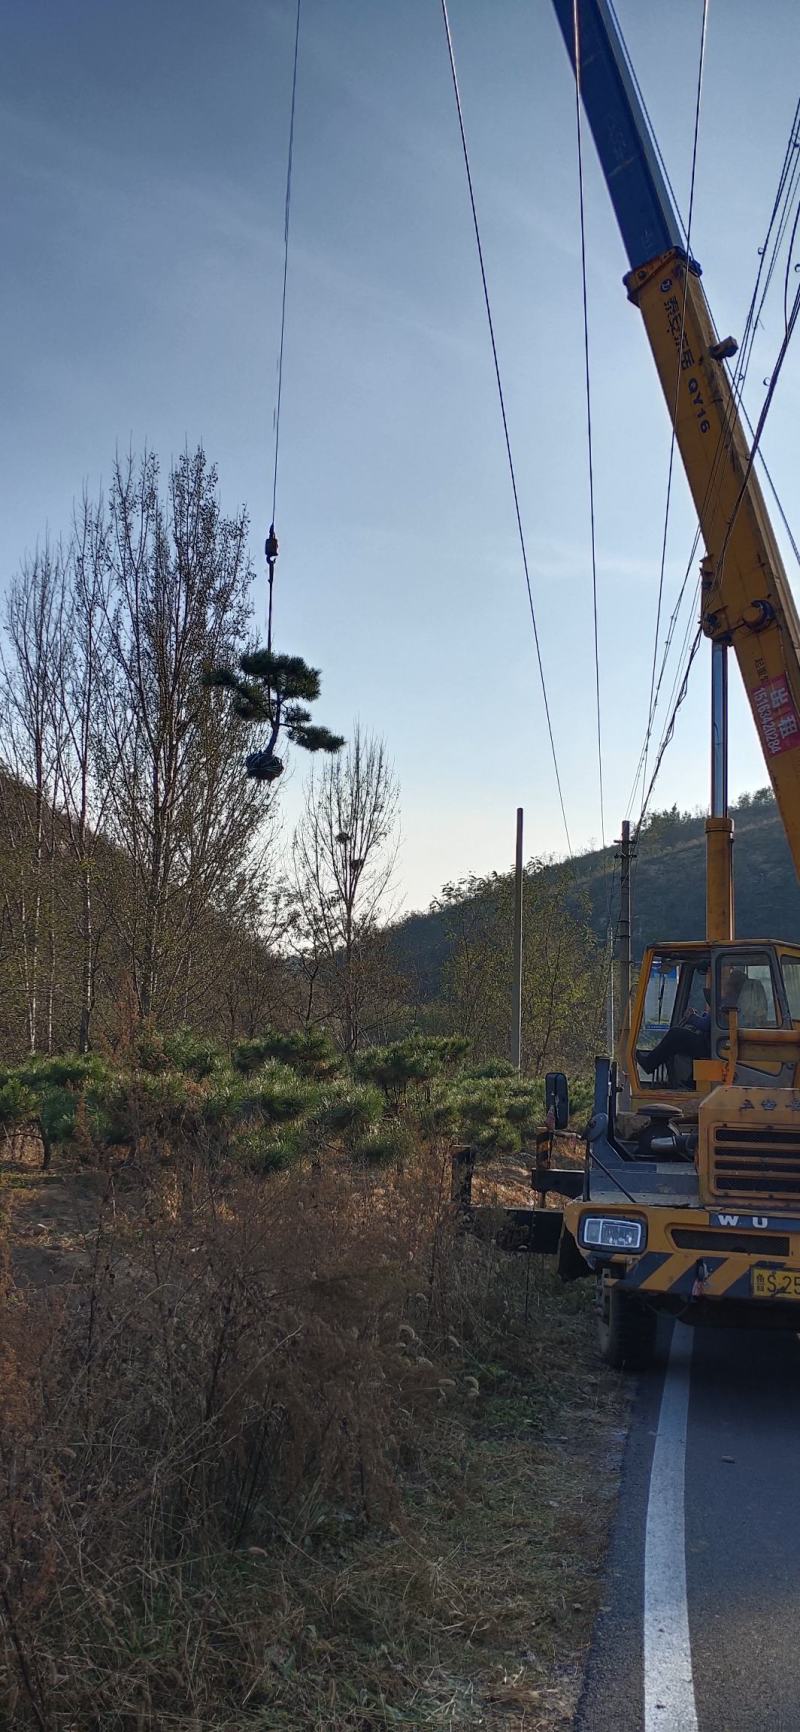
(750,992)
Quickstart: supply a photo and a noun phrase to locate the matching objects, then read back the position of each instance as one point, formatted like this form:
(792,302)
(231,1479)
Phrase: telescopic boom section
(746,599)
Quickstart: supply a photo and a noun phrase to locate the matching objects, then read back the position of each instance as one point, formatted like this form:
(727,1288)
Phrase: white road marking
(669,1704)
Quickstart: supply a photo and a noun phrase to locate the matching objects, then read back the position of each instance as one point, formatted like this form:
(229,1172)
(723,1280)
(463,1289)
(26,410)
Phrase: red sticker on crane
(777,716)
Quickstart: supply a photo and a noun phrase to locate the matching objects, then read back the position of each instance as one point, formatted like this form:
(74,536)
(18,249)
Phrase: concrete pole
(610,1021)
(516,984)
(624,940)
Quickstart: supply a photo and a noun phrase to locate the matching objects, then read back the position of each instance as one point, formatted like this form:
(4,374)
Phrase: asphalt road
(700,1625)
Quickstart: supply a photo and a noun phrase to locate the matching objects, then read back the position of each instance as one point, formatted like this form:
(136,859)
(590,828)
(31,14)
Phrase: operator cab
(698,988)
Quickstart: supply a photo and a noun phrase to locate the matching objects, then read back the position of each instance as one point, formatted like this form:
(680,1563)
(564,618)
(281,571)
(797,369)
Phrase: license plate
(775,1283)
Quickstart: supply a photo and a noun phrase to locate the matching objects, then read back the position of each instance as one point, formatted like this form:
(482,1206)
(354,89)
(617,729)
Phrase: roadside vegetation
(283,1444)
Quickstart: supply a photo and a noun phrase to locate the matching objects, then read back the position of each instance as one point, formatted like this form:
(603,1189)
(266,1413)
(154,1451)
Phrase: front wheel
(626,1328)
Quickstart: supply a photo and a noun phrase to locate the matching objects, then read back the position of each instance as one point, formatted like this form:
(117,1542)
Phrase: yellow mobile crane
(697,1210)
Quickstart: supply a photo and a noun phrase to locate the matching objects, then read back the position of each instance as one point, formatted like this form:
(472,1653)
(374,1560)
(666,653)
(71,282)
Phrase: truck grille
(710,1240)
(763,1163)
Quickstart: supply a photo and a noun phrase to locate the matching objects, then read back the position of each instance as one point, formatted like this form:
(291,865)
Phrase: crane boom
(746,598)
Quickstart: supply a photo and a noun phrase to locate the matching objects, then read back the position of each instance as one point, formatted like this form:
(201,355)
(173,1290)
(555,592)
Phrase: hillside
(669,877)
(668,887)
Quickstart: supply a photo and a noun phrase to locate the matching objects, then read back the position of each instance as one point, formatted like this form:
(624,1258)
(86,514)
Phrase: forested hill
(669,876)
(668,886)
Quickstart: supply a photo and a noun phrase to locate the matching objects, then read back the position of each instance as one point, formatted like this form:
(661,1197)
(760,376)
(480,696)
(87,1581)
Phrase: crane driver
(692,1036)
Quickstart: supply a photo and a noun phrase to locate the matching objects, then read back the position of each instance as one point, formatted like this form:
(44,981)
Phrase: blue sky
(142,209)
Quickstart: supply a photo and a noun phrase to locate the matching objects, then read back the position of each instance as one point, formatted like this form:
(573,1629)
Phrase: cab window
(744,983)
(791,980)
(697,984)
(675,986)
(662,987)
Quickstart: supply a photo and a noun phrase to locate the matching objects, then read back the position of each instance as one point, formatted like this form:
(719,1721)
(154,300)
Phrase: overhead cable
(769,251)
(506,433)
(669,731)
(773,380)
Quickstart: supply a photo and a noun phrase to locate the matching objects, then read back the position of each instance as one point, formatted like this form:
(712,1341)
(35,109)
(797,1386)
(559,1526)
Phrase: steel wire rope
(286,219)
(679,356)
(272,539)
(506,433)
(588,386)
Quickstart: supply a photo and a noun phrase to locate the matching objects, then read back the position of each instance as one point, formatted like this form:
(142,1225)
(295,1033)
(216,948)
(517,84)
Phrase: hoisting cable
(506,433)
(698,99)
(271,543)
(587,375)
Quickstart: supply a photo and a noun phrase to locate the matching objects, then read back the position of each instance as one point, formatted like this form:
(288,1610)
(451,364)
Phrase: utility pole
(516,984)
(610,1020)
(624,951)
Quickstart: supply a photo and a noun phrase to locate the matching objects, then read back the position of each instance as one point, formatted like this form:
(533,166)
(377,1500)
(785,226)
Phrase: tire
(626,1328)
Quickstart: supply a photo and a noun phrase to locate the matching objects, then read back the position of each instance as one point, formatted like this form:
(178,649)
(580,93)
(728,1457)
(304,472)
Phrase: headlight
(612,1233)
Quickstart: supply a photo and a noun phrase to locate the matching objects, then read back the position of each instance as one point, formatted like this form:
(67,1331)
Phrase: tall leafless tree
(82,651)
(29,724)
(344,854)
(179,806)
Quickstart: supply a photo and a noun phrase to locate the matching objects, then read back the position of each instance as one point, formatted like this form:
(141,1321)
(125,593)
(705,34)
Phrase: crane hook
(271,546)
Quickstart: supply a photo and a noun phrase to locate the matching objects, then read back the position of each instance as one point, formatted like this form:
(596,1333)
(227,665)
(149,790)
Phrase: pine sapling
(274,691)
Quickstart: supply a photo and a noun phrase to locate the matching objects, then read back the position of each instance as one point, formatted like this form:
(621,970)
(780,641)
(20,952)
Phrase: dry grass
(295,1455)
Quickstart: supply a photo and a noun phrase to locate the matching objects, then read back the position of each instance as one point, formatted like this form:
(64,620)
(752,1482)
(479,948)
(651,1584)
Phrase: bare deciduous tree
(80,673)
(28,756)
(179,806)
(344,853)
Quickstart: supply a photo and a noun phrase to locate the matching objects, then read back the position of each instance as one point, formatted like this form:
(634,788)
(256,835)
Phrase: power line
(673,622)
(587,374)
(773,380)
(782,203)
(669,731)
(780,214)
(773,489)
(500,393)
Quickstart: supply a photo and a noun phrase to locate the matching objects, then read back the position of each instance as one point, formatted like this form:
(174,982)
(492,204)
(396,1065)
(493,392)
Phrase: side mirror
(556,1098)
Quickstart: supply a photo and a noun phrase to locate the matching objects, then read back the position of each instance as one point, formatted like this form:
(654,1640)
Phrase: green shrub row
(272,1101)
